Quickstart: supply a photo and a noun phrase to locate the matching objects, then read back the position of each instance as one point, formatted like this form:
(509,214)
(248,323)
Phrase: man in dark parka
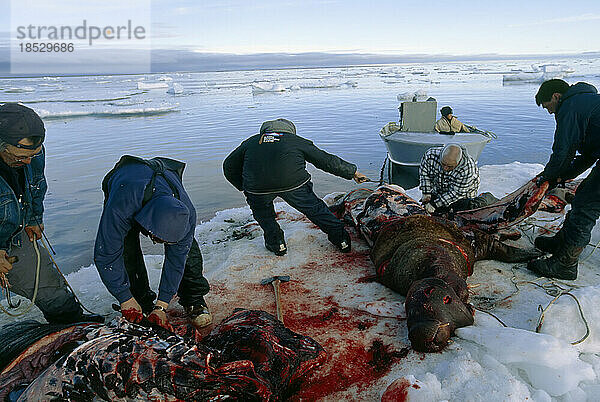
(576,148)
(273,163)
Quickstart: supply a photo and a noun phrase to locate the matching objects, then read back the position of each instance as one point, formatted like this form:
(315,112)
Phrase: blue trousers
(305,201)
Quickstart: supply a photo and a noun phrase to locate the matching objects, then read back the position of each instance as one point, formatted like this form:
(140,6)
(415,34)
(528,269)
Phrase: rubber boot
(562,265)
(278,249)
(199,315)
(275,242)
(549,244)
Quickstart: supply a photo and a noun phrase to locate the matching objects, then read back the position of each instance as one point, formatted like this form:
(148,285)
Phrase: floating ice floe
(84,99)
(327,84)
(129,102)
(152,85)
(267,87)
(539,73)
(175,89)
(313,84)
(149,111)
(165,78)
(18,90)
(420,95)
(259,87)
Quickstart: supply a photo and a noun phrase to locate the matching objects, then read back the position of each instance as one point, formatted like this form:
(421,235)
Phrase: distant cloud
(563,20)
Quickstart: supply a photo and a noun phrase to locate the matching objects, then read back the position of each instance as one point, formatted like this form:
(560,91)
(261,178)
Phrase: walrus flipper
(505,253)
(489,248)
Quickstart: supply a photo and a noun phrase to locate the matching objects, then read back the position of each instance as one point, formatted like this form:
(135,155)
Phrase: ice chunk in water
(175,89)
(267,87)
(419,95)
(151,85)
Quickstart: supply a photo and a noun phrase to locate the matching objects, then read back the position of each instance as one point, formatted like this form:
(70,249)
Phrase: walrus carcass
(250,356)
(427,258)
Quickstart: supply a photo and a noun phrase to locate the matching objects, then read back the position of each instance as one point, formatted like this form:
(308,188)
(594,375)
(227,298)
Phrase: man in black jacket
(273,163)
(577,112)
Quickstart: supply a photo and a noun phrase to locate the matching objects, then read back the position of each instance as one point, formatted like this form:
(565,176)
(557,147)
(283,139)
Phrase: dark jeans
(585,210)
(305,201)
(54,299)
(193,285)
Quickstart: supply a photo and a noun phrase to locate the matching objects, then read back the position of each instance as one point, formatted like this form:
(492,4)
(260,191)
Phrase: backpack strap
(158,165)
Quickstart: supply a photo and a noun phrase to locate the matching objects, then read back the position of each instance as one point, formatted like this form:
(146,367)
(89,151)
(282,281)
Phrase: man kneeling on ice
(147,196)
(273,164)
(22,191)
(449,181)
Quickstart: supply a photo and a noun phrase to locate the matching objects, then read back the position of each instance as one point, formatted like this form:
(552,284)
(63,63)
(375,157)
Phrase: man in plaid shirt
(449,180)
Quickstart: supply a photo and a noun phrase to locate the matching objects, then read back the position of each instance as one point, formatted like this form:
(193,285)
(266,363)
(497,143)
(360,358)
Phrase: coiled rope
(553,288)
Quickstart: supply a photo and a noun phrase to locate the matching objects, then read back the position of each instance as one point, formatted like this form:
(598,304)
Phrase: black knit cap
(18,122)
(446,110)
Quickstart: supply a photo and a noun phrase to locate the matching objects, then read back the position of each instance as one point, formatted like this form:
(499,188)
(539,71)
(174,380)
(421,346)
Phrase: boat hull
(407,148)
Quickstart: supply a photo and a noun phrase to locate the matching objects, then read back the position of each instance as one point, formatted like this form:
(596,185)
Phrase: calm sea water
(92,121)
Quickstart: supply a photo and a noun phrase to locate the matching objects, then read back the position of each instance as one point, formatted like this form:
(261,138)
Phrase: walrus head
(434,311)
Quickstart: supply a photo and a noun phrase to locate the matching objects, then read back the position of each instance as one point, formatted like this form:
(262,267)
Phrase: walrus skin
(250,356)
(425,258)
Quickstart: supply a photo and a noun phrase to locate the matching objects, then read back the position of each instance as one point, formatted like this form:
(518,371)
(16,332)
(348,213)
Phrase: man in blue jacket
(273,163)
(22,190)
(147,197)
(576,109)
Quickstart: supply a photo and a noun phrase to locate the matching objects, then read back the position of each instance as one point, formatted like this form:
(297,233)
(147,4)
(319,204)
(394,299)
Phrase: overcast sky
(379,26)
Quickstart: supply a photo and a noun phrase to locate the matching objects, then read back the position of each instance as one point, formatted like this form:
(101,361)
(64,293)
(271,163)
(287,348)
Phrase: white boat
(407,141)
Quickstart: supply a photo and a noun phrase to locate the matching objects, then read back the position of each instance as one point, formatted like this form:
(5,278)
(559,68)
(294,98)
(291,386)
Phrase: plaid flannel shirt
(448,187)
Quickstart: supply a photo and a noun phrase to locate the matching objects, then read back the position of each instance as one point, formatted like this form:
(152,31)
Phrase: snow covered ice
(485,362)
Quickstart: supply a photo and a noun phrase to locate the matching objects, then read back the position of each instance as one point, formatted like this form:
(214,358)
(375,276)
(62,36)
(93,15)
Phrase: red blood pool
(396,391)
